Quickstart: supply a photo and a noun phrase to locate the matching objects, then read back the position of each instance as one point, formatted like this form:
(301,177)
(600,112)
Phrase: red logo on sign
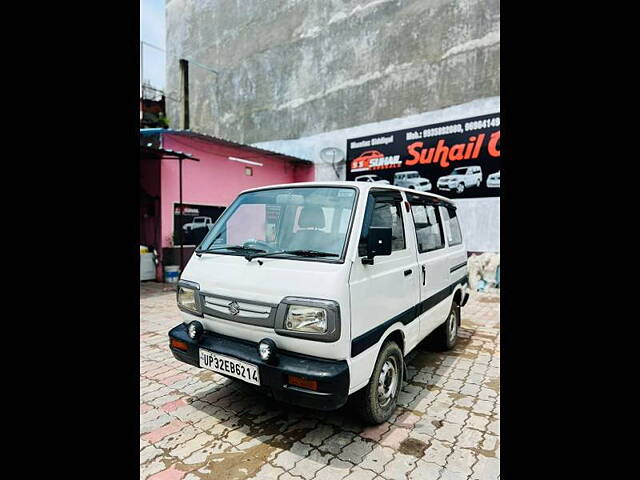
(362,162)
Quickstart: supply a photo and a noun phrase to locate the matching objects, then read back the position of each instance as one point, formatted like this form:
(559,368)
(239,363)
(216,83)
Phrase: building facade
(302,77)
(214,171)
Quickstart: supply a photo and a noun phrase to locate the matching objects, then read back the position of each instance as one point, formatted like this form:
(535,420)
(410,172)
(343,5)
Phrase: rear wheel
(378,399)
(444,337)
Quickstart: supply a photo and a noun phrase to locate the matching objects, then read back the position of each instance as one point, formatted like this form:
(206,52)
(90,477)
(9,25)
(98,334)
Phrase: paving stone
(151,468)
(400,466)
(478,422)
(487,468)
(395,437)
(377,459)
(356,450)
(425,471)
(268,472)
(187,448)
(308,466)
(457,415)
(149,453)
(460,461)
(358,473)
(335,443)
(336,470)
(469,438)
(376,432)
(179,437)
(437,452)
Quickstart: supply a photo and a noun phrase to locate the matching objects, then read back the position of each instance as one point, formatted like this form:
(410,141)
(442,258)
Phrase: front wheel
(379,398)
(460,187)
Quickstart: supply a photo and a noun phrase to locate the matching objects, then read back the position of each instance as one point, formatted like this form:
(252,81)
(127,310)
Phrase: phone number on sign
(478,124)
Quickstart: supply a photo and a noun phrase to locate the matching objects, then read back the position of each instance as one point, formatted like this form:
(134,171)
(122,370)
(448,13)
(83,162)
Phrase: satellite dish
(333,156)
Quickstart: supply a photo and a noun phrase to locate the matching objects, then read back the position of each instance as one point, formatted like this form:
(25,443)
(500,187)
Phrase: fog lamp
(267,350)
(195,330)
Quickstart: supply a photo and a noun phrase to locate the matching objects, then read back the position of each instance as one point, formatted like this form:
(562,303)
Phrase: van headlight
(188,297)
(310,318)
(306,319)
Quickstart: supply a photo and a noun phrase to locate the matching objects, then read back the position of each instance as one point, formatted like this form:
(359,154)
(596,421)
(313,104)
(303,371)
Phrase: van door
(432,261)
(387,291)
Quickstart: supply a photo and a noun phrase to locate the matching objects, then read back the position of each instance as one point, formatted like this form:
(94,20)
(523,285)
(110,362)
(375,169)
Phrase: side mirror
(378,243)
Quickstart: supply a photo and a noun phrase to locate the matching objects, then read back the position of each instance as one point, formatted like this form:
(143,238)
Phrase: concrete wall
(300,75)
(294,68)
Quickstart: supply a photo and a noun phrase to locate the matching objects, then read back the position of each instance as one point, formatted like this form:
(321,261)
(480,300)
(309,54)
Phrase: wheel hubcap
(387,382)
(453,327)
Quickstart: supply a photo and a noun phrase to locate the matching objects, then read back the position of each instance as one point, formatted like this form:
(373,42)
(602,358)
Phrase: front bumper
(332,375)
(493,183)
(445,186)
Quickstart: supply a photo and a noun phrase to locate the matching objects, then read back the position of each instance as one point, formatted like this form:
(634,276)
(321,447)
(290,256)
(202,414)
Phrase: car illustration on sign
(493,180)
(372,179)
(361,162)
(461,178)
(412,180)
(198,222)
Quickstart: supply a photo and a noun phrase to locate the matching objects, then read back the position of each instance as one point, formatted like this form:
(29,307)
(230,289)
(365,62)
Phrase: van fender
(361,366)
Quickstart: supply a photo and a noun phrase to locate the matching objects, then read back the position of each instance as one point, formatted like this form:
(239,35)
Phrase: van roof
(362,186)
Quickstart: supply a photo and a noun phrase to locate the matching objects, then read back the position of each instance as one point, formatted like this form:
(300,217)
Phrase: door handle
(424,275)
(408,272)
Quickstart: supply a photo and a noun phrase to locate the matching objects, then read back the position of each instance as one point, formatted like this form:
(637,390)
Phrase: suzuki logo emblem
(234,308)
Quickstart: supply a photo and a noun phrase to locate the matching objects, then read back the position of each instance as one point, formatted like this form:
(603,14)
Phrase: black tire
(444,337)
(368,401)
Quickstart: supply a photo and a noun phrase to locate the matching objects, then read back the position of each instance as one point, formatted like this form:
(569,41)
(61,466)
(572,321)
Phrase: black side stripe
(370,338)
(453,269)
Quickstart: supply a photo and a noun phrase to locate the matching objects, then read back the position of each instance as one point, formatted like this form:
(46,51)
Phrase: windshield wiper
(235,248)
(299,253)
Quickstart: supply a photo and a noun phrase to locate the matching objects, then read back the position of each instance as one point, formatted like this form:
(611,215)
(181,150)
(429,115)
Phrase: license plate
(230,366)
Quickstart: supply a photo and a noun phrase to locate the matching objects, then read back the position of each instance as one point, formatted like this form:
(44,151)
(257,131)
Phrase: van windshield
(301,219)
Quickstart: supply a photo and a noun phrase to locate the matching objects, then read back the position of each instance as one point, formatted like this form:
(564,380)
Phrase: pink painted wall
(215,180)
(150,183)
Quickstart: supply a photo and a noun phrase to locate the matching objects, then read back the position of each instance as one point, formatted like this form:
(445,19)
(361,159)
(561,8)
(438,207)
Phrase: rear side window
(428,225)
(387,212)
(452,226)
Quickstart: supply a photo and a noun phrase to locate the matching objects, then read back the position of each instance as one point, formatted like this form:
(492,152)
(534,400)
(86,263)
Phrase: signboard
(457,159)
(197,220)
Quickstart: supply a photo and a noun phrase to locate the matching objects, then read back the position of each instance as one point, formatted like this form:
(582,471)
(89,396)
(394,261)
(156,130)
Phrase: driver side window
(387,212)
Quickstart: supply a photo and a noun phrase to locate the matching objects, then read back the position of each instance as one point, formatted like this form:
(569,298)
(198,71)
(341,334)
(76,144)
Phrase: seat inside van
(310,235)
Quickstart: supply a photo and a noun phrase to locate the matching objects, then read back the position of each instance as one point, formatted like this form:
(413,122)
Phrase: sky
(152,30)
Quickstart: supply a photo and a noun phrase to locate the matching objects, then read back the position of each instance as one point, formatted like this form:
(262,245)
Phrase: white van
(412,180)
(461,178)
(372,179)
(317,291)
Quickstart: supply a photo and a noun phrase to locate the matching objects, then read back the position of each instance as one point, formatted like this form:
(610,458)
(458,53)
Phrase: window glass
(387,212)
(428,228)
(285,219)
(450,219)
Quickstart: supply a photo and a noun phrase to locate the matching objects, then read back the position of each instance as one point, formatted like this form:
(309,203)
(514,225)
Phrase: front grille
(249,311)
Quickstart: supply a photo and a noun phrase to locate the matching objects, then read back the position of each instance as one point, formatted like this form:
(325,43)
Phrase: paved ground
(195,424)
